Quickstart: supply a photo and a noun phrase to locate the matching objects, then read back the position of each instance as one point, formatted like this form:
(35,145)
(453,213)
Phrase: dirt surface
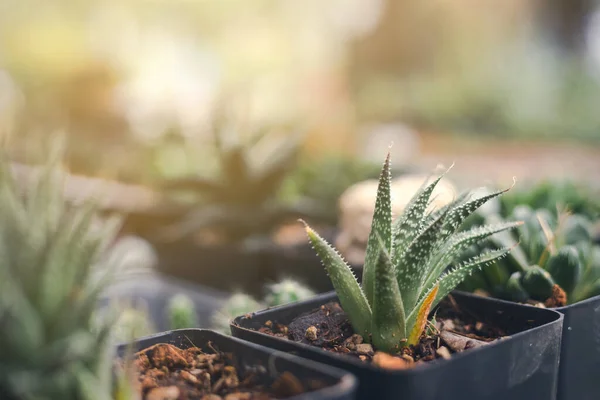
(166,372)
(329,328)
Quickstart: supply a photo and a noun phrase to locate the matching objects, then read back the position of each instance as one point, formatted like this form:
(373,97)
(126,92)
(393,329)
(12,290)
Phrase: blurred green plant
(182,312)
(133,322)
(553,196)
(241,199)
(52,273)
(553,252)
(541,95)
(283,292)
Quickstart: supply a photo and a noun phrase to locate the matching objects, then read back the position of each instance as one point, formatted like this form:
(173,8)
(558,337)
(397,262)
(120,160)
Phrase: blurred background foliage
(134,83)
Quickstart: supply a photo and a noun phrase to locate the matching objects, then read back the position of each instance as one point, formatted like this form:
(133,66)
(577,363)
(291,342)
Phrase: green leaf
(412,263)
(566,268)
(453,278)
(421,316)
(381,227)
(514,290)
(351,297)
(457,245)
(388,327)
(442,210)
(458,214)
(90,387)
(407,226)
(537,282)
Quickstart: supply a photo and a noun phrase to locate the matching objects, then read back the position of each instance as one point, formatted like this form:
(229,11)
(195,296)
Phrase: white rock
(163,393)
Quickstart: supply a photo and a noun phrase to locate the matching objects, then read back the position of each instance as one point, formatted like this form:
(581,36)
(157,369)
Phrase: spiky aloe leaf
(388,326)
(449,281)
(350,294)
(505,239)
(411,264)
(458,214)
(436,213)
(381,227)
(421,317)
(457,245)
(407,225)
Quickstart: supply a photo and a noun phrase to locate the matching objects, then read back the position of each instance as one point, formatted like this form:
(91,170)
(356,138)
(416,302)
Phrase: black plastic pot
(153,293)
(333,383)
(579,372)
(227,268)
(524,366)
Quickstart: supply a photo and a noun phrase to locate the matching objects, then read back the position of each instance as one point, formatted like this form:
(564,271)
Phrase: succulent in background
(133,322)
(403,273)
(241,200)
(283,292)
(552,196)
(182,312)
(554,252)
(51,347)
(238,304)
(286,291)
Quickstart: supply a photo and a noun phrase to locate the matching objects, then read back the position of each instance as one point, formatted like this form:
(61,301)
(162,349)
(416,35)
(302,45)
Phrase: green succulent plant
(283,292)
(182,312)
(51,347)
(133,322)
(552,250)
(551,196)
(241,200)
(286,291)
(403,274)
(238,304)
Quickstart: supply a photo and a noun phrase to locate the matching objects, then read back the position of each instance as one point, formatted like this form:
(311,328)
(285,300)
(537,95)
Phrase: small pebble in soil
(364,349)
(211,397)
(458,342)
(408,358)
(386,361)
(311,333)
(163,393)
(443,352)
(353,341)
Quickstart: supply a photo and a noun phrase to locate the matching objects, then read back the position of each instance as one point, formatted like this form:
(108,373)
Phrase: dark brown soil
(330,329)
(166,372)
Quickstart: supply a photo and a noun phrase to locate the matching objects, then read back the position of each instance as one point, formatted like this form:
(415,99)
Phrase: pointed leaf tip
(441,166)
(309,231)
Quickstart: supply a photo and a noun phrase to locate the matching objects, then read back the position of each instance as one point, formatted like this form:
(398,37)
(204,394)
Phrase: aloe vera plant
(403,273)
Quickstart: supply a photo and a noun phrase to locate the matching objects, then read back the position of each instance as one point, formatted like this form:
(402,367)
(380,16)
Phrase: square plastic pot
(579,372)
(524,366)
(334,384)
